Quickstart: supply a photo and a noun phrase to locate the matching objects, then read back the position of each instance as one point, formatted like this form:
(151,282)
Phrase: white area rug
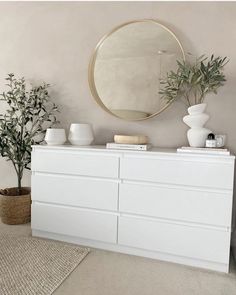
(30,266)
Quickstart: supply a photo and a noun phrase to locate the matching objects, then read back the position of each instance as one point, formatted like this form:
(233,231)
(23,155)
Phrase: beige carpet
(109,273)
(30,266)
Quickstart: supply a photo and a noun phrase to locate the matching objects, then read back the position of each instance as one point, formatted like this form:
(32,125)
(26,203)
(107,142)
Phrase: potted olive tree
(191,83)
(29,112)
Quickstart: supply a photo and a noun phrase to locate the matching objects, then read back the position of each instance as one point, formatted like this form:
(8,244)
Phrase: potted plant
(29,113)
(191,82)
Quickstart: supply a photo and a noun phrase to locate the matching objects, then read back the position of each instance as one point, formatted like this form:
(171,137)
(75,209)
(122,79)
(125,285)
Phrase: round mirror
(127,66)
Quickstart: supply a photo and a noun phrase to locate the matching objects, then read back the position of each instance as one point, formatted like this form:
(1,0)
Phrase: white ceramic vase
(196,119)
(81,134)
(55,136)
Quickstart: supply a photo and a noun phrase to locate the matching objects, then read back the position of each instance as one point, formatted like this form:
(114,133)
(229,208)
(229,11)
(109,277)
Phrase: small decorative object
(24,123)
(220,140)
(81,134)
(131,139)
(196,119)
(210,141)
(55,136)
(191,82)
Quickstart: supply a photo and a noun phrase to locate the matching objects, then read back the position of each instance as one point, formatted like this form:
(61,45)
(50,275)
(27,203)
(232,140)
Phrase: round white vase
(55,136)
(196,119)
(81,134)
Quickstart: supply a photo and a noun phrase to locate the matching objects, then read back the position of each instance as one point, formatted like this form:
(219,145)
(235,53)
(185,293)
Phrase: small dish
(131,139)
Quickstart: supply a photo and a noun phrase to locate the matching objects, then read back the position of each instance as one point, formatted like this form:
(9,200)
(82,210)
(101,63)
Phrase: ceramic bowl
(131,139)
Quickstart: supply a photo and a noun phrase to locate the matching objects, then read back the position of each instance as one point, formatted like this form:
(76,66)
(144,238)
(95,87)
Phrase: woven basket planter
(15,209)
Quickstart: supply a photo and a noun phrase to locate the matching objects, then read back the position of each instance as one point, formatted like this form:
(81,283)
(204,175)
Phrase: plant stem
(187,98)
(19,185)
(195,97)
(201,98)
(19,178)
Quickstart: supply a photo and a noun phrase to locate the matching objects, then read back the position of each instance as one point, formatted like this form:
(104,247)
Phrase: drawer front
(75,163)
(74,222)
(176,203)
(75,191)
(178,171)
(187,241)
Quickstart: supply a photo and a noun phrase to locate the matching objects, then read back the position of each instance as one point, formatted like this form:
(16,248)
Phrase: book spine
(127,147)
(203,152)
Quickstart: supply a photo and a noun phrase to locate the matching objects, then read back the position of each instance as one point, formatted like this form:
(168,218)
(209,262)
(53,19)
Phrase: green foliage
(29,113)
(191,82)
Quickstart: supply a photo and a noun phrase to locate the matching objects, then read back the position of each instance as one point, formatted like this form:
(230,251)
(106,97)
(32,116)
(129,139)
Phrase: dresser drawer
(74,222)
(187,241)
(211,173)
(176,203)
(75,191)
(76,163)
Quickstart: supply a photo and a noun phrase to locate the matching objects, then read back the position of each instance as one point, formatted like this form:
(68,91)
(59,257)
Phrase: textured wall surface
(53,41)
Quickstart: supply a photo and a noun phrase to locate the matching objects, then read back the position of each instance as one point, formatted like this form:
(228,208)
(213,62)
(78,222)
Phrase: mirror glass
(127,66)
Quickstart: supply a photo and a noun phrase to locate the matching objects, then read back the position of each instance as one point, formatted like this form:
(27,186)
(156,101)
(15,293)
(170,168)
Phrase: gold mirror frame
(93,60)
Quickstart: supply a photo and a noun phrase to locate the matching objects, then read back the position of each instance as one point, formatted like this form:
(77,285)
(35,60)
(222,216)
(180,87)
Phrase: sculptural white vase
(196,119)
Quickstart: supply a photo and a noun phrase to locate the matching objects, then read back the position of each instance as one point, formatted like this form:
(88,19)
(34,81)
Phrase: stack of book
(124,146)
(212,151)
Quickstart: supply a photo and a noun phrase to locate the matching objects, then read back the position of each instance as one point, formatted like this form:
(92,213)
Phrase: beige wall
(54,41)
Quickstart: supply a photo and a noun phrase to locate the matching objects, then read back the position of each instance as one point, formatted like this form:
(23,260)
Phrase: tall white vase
(196,119)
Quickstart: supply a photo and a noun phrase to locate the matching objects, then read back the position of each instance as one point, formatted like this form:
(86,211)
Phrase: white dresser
(157,204)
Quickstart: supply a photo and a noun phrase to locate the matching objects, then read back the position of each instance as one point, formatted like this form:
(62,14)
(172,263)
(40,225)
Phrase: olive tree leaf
(191,82)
